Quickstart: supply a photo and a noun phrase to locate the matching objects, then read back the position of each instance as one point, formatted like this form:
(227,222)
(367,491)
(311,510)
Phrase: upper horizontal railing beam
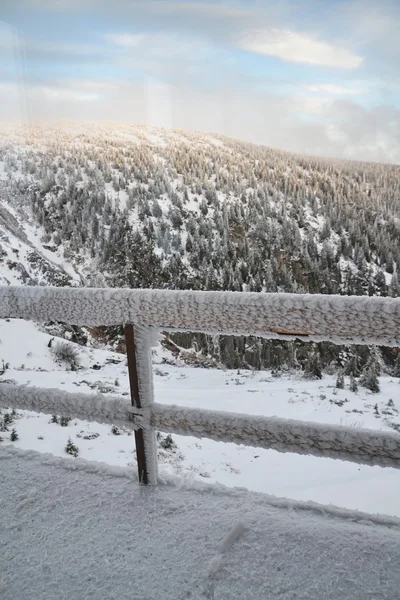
(340,319)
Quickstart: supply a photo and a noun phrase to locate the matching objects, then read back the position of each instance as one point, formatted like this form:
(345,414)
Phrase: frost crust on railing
(340,319)
(89,407)
(362,446)
(284,435)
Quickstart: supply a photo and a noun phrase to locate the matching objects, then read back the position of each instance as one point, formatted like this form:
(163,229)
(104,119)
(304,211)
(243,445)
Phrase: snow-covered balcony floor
(75,530)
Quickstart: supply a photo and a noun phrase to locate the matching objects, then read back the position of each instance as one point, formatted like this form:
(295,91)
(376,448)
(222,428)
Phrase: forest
(132,206)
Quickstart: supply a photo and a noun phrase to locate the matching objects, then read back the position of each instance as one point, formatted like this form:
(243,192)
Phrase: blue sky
(315,76)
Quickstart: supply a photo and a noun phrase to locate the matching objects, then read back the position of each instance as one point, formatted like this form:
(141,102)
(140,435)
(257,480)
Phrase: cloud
(126,40)
(295,47)
(330,88)
(257,30)
(55,94)
(60,52)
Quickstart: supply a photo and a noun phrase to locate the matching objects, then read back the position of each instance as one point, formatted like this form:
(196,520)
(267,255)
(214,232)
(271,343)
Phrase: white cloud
(329,88)
(126,40)
(296,47)
(57,94)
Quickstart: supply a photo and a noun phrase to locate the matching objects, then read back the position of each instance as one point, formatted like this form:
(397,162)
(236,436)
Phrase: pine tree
(394,287)
(369,377)
(352,366)
(70,448)
(353,384)
(396,367)
(340,380)
(313,366)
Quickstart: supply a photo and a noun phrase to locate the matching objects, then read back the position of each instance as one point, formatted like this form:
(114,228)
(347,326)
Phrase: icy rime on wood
(283,435)
(88,407)
(138,349)
(340,319)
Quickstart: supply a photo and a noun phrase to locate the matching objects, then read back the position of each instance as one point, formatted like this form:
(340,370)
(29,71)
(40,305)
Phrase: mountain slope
(24,257)
(217,212)
(128,205)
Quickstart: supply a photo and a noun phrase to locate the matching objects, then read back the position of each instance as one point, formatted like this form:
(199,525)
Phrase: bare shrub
(67,354)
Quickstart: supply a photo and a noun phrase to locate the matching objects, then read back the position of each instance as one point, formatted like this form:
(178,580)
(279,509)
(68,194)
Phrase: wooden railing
(145,312)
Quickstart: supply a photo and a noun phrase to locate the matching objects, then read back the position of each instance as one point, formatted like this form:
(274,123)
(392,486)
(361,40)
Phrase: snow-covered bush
(167,443)
(8,418)
(115,430)
(14,435)
(64,421)
(67,354)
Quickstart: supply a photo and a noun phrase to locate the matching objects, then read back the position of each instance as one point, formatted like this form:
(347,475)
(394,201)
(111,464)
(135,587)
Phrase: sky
(319,77)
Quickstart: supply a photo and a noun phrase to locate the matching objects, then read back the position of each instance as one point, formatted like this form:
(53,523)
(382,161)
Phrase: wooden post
(143,460)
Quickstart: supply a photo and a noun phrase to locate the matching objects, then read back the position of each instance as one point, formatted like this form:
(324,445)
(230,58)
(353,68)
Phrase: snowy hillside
(129,205)
(27,359)
(24,257)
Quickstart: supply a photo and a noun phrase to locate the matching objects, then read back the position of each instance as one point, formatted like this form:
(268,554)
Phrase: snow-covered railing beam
(89,407)
(284,435)
(340,319)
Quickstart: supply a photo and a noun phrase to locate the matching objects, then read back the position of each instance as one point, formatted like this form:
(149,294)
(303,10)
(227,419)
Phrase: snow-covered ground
(28,360)
(72,528)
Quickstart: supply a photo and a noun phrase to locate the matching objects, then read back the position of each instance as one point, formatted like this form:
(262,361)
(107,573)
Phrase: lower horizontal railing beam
(88,407)
(361,446)
(284,435)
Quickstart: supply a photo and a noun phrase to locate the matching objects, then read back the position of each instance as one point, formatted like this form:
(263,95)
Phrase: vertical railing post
(138,352)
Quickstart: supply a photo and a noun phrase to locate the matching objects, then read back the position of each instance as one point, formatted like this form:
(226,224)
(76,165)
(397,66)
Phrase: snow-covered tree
(353,384)
(71,448)
(340,380)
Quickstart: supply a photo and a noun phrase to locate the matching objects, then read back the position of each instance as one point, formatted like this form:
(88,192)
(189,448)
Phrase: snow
(78,527)
(340,319)
(20,241)
(31,364)
(232,536)
(56,258)
(3,173)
